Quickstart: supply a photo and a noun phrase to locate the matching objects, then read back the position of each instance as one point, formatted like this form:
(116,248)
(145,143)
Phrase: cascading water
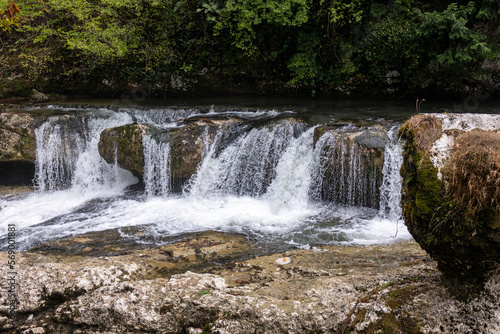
(262,179)
(390,191)
(157,172)
(67,155)
(58,144)
(343,173)
(290,189)
(246,167)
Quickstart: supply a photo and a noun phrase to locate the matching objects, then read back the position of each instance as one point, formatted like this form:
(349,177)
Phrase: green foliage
(10,17)
(302,45)
(242,18)
(448,36)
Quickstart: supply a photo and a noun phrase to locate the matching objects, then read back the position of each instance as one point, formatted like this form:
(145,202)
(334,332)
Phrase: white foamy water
(390,191)
(156,166)
(258,184)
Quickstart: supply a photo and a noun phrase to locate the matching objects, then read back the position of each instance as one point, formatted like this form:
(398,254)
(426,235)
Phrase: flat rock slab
(392,289)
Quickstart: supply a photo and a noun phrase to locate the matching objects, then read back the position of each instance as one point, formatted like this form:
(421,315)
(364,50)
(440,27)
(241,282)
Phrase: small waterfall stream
(267,181)
(157,172)
(390,191)
(67,156)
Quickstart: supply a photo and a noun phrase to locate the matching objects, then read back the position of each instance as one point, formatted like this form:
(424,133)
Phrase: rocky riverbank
(193,286)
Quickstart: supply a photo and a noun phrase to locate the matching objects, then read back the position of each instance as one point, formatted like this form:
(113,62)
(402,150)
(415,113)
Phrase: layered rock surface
(451,196)
(392,289)
(17,138)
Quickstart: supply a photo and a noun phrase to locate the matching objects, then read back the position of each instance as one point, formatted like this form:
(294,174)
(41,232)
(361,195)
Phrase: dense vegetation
(311,47)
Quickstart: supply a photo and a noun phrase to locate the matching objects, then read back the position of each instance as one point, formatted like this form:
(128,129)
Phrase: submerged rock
(350,162)
(451,191)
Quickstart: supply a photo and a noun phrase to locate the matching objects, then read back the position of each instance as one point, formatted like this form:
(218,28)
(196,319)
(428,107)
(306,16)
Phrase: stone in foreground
(376,289)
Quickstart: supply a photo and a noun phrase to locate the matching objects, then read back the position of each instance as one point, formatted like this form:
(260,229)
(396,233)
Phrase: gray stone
(17,138)
(37,96)
(372,289)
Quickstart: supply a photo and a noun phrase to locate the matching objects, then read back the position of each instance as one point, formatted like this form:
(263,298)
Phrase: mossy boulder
(123,144)
(451,192)
(350,162)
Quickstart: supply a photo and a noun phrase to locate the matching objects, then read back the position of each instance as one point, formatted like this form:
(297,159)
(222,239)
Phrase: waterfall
(67,155)
(59,142)
(290,188)
(247,166)
(344,173)
(157,173)
(266,178)
(390,191)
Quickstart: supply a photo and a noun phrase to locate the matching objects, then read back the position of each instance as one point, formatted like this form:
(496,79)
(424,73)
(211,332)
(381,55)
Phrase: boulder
(190,142)
(17,149)
(451,191)
(37,96)
(17,138)
(123,144)
(349,163)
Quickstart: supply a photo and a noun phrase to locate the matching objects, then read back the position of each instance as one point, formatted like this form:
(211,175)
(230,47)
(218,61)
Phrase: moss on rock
(124,143)
(438,211)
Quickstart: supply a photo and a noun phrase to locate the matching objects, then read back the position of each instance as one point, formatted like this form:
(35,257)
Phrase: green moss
(389,323)
(399,297)
(463,245)
(428,193)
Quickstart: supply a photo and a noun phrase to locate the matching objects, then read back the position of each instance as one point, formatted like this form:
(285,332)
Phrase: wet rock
(37,96)
(350,162)
(187,145)
(195,250)
(123,144)
(17,149)
(451,196)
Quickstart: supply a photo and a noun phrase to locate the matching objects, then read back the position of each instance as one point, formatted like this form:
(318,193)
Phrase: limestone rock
(17,138)
(37,96)
(451,191)
(188,144)
(124,143)
(393,289)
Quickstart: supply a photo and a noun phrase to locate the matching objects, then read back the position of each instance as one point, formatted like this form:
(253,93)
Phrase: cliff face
(450,195)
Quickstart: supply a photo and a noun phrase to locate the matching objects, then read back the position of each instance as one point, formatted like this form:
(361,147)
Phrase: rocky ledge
(390,289)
